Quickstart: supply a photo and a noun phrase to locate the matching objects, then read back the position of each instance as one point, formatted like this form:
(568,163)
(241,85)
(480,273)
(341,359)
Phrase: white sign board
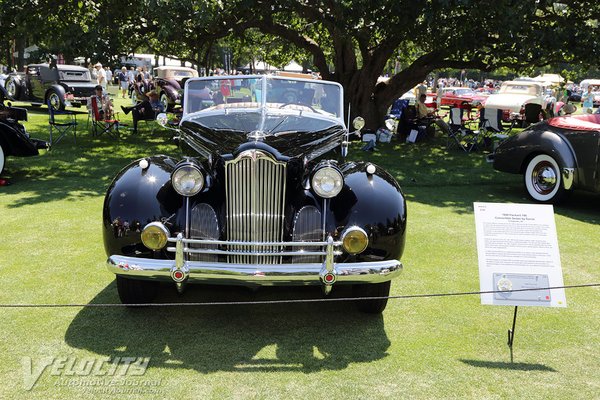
(517,248)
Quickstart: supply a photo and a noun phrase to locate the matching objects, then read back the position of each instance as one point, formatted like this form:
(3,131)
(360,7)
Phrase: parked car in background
(169,82)
(60,85)
(263,196)
(554,157)
(459,96)
(14,139)
(513,95)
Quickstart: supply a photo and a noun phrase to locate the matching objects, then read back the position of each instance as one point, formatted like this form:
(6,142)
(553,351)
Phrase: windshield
(532,90)
(263,95)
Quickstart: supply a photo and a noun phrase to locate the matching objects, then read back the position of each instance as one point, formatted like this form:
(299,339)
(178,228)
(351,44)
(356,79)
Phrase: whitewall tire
(543,179)
(2,159)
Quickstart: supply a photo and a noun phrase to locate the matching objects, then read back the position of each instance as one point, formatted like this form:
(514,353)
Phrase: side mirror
(162,119)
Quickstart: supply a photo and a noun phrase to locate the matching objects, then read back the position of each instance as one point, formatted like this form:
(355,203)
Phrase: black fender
(513,154)
(14,140)
(375,203)
(171,92)
(59,89)
(136,197)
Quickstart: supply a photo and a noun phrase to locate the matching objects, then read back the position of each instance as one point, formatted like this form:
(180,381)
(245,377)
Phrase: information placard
(517,248)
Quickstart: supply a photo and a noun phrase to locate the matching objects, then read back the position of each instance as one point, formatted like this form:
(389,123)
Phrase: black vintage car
(14,139)
(169,83)
(554,156)
(261,196)
(59,85)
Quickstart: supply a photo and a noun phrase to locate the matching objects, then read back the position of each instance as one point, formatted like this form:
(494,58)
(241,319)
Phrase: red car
(456,96)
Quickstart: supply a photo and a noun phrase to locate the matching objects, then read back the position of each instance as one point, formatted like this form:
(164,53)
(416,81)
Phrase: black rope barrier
(294,301)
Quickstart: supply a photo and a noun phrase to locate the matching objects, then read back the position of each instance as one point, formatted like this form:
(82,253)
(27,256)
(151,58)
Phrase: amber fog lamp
(355,240)
(327,182)
(155,236)
(187,180)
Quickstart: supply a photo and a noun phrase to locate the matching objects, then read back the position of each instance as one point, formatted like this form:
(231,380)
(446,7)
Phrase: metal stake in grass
(511,334)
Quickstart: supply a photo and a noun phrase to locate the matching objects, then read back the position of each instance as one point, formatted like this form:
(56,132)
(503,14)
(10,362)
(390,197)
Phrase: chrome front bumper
(326,273)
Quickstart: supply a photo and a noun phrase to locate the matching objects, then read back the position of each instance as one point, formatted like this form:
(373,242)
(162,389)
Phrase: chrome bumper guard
(326,273)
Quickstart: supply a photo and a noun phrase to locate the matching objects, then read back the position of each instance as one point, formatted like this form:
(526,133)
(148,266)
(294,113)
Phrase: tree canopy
(348,41)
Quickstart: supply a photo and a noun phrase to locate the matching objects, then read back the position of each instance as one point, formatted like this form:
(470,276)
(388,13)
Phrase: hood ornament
(257,135)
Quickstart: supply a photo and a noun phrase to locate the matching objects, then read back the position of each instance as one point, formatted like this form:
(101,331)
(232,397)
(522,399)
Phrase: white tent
(554,79)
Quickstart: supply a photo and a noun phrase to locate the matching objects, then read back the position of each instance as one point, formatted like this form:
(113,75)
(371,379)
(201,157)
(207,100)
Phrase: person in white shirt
(101,75)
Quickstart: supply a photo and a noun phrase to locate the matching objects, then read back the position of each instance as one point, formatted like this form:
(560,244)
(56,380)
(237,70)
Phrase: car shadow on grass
(515,366)
(305,337)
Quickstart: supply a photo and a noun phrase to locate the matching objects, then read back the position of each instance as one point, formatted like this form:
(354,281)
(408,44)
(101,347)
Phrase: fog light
(355,240)
(155,236)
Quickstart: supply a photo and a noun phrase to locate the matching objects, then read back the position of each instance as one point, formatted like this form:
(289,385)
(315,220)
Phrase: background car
(263,196)
(513,95)
(14,139)
(458,96)
(169,81)
(60,85)
(554,157)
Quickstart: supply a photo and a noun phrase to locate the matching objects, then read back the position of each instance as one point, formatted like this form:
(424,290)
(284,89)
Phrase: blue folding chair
(65,124)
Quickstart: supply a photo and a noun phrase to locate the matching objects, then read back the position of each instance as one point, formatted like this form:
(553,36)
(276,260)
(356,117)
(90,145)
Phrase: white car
(513,95)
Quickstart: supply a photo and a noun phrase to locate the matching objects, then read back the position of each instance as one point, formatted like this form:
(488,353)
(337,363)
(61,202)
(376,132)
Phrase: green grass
(449,347)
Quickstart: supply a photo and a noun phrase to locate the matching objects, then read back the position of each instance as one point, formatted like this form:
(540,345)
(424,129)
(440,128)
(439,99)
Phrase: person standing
(100,75)
(109,75)
(123,78)
(588,101)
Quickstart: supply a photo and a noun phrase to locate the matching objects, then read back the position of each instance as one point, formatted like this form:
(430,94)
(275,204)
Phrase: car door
(35,86)
(586,145)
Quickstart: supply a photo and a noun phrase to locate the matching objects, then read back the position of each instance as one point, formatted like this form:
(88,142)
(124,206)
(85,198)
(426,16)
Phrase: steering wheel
(298,104)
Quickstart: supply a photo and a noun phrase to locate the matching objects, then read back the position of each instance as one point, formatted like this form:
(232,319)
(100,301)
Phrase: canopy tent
(552,79)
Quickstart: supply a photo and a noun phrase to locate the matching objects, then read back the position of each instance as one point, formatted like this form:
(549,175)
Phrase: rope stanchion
(291,301)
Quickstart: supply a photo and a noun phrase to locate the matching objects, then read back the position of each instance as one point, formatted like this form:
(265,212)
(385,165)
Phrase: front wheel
(12,87)
(373,306)
(543,179)
(55,101)
(164,100)
(133,291)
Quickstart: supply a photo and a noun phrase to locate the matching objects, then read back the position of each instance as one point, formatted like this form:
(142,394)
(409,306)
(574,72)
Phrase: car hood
(512,102)
(290,135)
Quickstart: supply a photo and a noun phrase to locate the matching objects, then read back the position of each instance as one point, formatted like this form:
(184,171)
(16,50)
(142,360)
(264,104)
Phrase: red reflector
(178,274)
(329,278)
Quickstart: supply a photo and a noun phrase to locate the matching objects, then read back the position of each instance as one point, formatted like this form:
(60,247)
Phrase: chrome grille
(255,184)
(203,225)
(307,228)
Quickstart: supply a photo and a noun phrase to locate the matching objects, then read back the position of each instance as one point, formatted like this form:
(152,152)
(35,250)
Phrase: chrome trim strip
(251,275)
(254,253)
(254,244)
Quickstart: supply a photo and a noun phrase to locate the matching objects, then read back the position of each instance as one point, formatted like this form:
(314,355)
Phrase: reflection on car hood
(292,134)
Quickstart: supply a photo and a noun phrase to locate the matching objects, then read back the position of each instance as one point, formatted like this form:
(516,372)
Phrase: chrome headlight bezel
(187,170)
(157,228)
(350,234)
(327,181)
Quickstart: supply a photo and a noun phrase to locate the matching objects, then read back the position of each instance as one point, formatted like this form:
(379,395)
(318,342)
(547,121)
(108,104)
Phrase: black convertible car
(14,139)
(554,156)
(262,195)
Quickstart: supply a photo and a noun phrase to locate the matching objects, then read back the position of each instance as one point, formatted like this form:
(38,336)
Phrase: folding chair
(458,134)
(101,125)
(66,124)
(491,126)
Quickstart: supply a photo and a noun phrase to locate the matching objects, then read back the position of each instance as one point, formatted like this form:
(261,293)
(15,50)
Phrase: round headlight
(187,180)
(327,182)
(155,235)
(355,240)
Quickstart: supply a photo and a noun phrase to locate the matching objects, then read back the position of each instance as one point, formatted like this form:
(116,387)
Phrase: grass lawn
(427,348)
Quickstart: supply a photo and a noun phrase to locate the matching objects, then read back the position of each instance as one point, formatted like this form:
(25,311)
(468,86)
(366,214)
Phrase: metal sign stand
(511,334)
